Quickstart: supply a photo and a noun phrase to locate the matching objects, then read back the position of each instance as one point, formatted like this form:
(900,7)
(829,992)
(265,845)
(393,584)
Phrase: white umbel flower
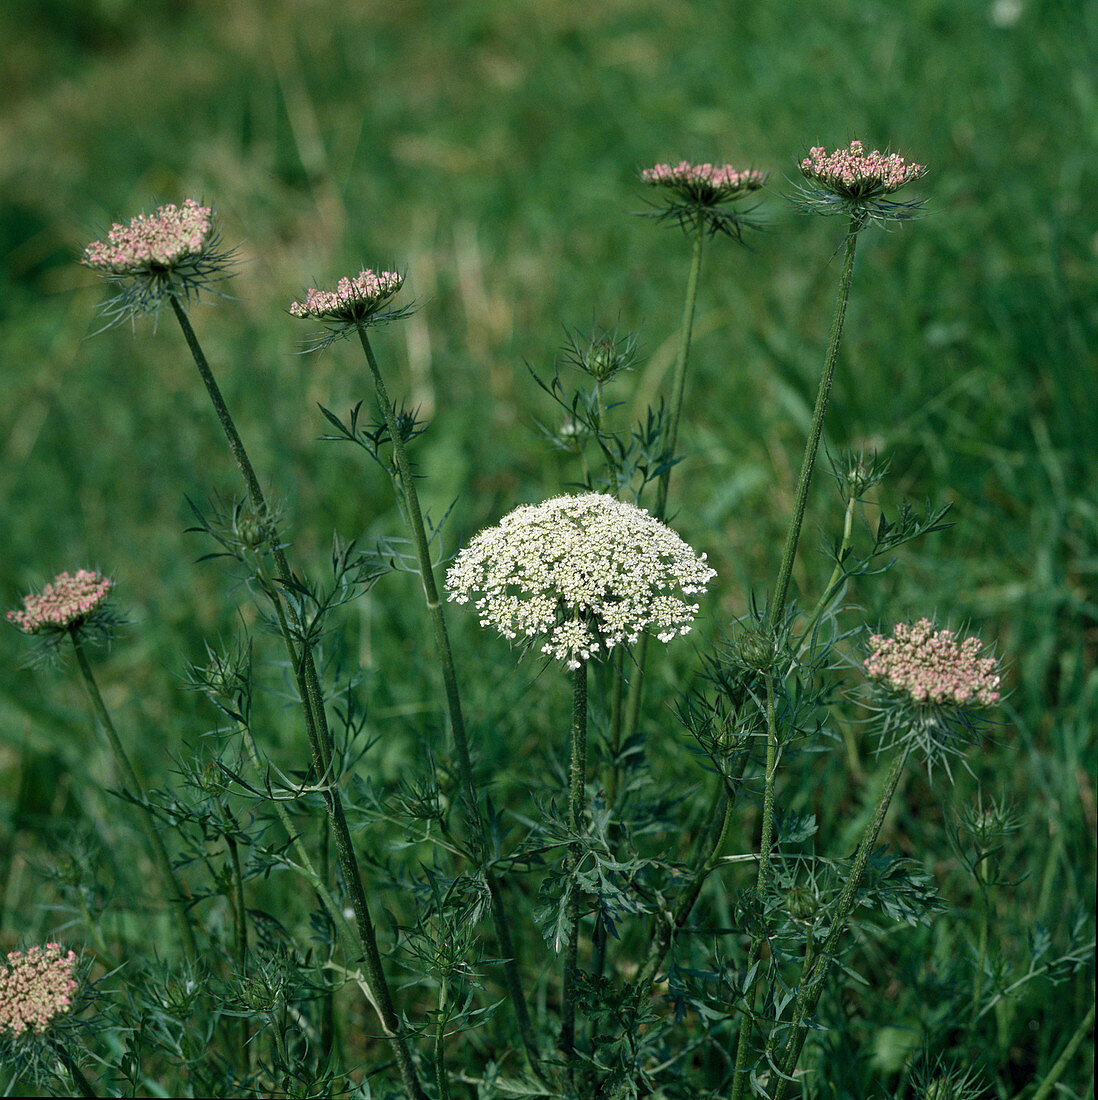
(586,573)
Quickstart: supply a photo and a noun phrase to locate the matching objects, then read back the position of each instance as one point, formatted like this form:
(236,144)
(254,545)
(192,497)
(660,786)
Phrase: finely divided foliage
(395,963)
(587,573)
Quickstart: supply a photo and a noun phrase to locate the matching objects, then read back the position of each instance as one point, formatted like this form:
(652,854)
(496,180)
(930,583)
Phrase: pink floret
(362,294)
(66,601)
(36,986)
(931,666)
(171,236)
(855,170)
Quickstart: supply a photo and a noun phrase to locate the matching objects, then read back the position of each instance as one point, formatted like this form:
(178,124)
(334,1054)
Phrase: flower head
(170,253)
(691,191)
(355,302)
(930,666)
(586,573)
(36,986)
(853,182)
(931,687)
(68,602)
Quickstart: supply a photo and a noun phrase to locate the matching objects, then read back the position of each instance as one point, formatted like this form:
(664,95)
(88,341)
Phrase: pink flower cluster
(65,602)
(171,236)
(35,986)
(352,298)
(930,666)
(855,173)
(720,179)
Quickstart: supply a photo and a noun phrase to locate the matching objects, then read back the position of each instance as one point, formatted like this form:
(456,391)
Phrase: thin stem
(679,383)
(577,795)
(812,984)
(611,471)
(414,518)
(812,445)
(152,834)
(678,391)
(739,1076)
(1044,1089)
(316,726)
(836,575)
(240,938)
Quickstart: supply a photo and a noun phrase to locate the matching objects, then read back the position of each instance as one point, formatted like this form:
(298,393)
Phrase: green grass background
(490,151)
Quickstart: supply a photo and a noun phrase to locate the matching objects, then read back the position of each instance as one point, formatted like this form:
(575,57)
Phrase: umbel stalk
(316,727)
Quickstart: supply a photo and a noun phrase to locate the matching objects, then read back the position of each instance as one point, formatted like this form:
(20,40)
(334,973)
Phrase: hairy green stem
(152,834)
(414,518)
(739,1076)
(671,436)
(812,446)
(577,795)
(320,741)
(815,975)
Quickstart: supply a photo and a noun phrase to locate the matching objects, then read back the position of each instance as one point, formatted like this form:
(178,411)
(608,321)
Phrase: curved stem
(414,518)
(812,984)
(577,794)
(316,727)
(1044,1089)
(152,834)
(812,446)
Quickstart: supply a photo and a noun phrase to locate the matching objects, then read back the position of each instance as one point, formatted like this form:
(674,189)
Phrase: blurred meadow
(490,151)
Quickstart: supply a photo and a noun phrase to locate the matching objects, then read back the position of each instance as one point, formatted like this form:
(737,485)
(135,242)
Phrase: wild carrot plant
(581,921)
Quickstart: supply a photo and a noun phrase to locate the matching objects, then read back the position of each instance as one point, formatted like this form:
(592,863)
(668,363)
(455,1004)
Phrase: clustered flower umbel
(703,183)
(585,572)
(853,173)
(931,667)
(352,300)
(35,986)
(66,602)
(171,236)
